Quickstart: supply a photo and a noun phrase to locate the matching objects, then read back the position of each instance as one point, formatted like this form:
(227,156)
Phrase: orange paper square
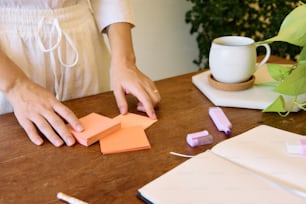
(95,127)
(125,139)
(132,120)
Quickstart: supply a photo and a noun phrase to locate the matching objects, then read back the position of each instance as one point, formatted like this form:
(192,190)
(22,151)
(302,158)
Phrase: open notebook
(253,167)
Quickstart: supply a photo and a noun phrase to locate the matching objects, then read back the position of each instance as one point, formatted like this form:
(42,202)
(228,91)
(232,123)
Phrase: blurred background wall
(162,42)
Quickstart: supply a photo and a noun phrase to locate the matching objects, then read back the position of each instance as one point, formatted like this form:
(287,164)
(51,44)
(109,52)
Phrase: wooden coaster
(231,86)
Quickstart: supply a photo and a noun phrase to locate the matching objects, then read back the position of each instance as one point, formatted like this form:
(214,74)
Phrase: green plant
(258,19)
(290,81)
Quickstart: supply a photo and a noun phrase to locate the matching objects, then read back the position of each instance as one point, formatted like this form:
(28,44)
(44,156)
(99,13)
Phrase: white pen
(219,118)
(69,199)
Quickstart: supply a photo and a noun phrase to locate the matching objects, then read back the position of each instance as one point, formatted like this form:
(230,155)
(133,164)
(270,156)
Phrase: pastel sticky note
(95,126)
(132,120)
(125,139)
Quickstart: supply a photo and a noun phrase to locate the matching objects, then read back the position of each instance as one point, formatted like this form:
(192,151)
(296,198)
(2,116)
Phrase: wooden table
(34,174)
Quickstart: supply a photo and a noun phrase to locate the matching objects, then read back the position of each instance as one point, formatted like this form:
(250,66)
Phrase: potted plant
(258,19)
(290,81)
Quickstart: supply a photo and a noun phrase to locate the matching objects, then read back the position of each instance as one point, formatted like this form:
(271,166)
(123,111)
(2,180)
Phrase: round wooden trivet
(231,86)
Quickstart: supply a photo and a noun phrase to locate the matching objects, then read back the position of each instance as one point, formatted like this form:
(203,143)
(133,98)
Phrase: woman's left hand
(130,80)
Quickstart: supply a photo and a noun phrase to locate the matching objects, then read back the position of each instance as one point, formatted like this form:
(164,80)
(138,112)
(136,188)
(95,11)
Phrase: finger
(155,95)
(121,101)
(32,132)
(60,127)
(152,91)
(141,108)
(46,130)
(146,103)
(150,100)
(69,116)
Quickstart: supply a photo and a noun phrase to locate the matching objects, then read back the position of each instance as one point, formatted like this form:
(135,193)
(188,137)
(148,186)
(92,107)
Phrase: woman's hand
(37,109)
(127,79)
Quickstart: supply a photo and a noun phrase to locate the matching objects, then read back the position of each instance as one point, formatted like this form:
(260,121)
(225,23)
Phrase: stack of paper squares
(120,134)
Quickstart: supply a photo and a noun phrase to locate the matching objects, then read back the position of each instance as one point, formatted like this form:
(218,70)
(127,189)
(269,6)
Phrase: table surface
(35,174)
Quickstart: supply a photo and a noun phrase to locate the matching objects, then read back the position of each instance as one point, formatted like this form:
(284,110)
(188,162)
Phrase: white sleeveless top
(58,43)
(41,4)
(106,11)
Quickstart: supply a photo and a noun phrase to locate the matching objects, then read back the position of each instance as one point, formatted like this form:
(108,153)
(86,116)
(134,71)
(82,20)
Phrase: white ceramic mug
(232,59)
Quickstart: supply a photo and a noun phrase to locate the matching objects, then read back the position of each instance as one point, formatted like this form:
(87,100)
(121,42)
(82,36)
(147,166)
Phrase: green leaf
(279,72)
(302,55)
(293,27)
(277,106)
(295,83)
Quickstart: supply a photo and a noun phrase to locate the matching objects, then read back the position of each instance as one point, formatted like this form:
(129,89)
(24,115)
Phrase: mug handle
(267,56)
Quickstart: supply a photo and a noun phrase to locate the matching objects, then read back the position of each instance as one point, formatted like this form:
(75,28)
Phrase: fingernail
(58,143)
(39,142)
(154,115)
(70,141)
(122,110)
(79,128)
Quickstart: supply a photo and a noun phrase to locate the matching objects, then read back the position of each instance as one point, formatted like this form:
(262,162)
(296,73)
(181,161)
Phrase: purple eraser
(199,138)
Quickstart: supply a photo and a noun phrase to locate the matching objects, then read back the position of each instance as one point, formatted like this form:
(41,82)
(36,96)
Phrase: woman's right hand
(38,111)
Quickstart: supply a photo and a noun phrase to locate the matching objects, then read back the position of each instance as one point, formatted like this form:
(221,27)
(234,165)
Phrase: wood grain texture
(35,174)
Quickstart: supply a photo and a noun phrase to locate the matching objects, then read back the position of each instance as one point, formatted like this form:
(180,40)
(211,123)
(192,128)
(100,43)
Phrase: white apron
(60,49)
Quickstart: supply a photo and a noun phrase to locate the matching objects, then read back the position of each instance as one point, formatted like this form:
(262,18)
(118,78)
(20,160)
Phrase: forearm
(10,74)
(121,45)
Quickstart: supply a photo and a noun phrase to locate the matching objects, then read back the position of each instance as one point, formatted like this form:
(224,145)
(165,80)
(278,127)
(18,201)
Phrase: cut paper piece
(132,120)
(124,140)
(95,127)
